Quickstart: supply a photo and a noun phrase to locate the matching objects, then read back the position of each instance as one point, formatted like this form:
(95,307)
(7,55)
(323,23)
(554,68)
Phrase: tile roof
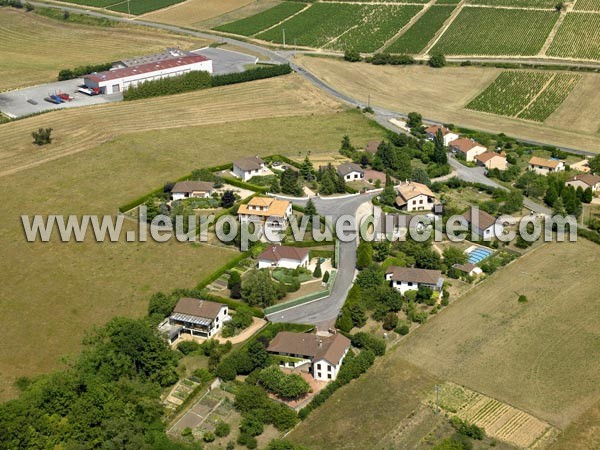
(411,189)
(197,308)
(425,276)
(485,220)
(550,163)
(485,157)
(329,348)
(277,252)
(588,178)
(249,163)
(349,167)
(434,129)
(192,186)
(464,145)
(145,68)
(275,207)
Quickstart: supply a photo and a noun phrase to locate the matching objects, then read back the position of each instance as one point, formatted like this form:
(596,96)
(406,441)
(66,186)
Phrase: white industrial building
(118,80)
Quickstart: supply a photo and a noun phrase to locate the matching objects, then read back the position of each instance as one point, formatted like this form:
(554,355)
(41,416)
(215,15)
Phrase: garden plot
(263,20)
(499,420)
(380,24)
(578,37)
(488,31)
(416,38)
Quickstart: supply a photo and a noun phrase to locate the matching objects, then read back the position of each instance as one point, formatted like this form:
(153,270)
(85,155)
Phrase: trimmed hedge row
(233,304)
(221,270)
(69,74)
(284,159)
(197,80)
(242,184)
(589,235)
(322,254)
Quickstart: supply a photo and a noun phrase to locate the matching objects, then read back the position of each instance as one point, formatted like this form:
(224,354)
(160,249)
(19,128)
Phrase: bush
(352,55)
(222,429)
(251,425)
(326,276)
(69,74)
(247,440)
(390,322)
(522,299)
(42,136)
(369,342)
(209,436)
(187,347)
(437,60)
(286,386)
(467,429)
(403,329)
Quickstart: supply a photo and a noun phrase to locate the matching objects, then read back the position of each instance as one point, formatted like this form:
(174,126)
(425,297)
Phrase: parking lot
(23,102)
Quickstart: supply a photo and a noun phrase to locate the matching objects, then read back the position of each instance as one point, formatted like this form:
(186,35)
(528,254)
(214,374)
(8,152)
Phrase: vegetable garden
(488,31)
(416,38)
(511,94)
(577,37)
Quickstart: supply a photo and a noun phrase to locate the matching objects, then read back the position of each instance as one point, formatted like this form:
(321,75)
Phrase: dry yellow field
(543,356)
(78,129)
(35,48)
(442,94)
(583,433)
(193,11)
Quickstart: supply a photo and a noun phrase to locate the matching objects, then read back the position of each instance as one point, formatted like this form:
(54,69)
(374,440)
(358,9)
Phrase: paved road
(324,312)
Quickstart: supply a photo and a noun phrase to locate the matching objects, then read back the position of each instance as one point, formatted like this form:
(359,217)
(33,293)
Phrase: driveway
(226,61)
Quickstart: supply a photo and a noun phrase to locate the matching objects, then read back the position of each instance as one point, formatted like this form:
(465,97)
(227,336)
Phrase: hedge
(284,159)
(305,244)
(242,184)
(588,234)
(221,270)
(233,304)
(322,254)
(197,80)
(69,74)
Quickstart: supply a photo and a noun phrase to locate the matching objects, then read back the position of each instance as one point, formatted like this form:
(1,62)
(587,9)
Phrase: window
(328,368)
(318,374)
(329,376)
(319,366)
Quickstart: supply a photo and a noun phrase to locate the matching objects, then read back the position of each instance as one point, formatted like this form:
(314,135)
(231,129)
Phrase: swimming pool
(478,254)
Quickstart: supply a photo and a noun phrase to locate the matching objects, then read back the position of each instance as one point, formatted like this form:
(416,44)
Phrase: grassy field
(577,37)
(258,22)
(581,434)
(526,95)
(35,48)
(442,95)
(79,129)
(190,12)
(416,38)
(64,289)
(485,31)
(543,356)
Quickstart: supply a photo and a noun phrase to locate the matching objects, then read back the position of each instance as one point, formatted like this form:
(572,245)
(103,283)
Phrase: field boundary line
(553,31)
(308,5)
(444,28)
(174,5)
(414,19)
(536,96)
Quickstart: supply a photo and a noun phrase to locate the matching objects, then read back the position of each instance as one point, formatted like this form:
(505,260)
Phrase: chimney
(320,343)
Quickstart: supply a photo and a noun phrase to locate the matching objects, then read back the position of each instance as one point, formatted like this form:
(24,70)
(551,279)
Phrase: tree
(286,386)
(307,170)
(290,183)
(594,164)
(364,255)
(559,6)
(326,276)
(390,321)
(310,210)
(559,207)
(439,149)
(415,120)
(454,255)
(420,175)
(275,187)
(437,60)
(588,195)
(222,429)
(42,136)
(317,273)
(346,144)
(352,55)
(258,354)
(551,195)
(228,199)
(259,289)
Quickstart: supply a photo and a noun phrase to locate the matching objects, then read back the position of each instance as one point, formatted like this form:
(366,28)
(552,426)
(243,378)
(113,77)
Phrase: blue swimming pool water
(478,255)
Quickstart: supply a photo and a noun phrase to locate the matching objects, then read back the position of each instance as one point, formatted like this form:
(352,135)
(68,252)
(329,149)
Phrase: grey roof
(191,319)
(187,306)
(425,276)
(330,348)
(188,187)
(139,60)
(249,163)
(348,167)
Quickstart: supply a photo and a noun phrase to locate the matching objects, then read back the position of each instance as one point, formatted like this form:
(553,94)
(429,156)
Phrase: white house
(584,181)
(351,171)
(413,196)
(411,279)
(267,212)
(246,168)
(467,147)
(448,134)
(283,256)
(119,80)
(191,189)
(483,224)
(543,166)
(200,318)
(322,356)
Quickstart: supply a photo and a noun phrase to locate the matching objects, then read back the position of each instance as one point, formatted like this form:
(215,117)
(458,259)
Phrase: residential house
(413,196)
(192,189)
(411,279)
(544,166)
(581,166)
(322,356)
(585,181)
(483,224)
(448,134)
(251,166)
(351,171)
(283,256)
(491,160)
(469,148)
(372,147)
(269,212)
(394,227)
(200,318)
(468,268)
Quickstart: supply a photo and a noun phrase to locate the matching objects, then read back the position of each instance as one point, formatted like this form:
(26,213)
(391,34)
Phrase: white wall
(354,176)
(414,205)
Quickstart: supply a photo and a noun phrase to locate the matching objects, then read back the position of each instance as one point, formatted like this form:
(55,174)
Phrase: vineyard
(487,31)
(526,95)
(577,37)
(138,7)
(380,24)
(263,20)
(587,5)
(517,3)
(499,420)
(416,38)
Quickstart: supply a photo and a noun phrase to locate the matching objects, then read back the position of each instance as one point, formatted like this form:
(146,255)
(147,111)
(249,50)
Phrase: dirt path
(555,28)
(535,97)
(410,23)
(447,24)
(308,5)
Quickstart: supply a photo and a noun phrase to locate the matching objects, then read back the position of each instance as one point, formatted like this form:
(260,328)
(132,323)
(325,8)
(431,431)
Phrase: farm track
(441,31)
(406,27)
